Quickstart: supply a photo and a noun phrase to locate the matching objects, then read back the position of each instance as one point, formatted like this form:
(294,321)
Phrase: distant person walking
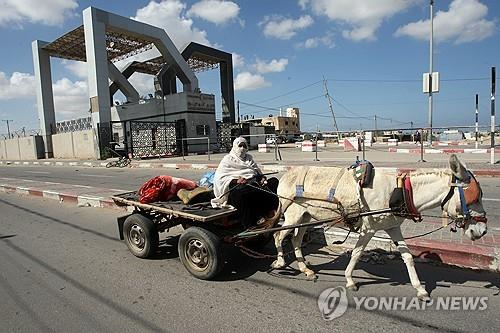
(417,137)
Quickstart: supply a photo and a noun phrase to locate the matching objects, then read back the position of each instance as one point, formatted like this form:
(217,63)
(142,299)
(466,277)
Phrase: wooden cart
(206,230)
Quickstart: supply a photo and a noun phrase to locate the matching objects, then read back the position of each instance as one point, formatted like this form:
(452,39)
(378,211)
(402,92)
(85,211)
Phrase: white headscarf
(234,165)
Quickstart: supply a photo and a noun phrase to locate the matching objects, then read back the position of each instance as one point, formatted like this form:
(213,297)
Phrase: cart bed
(203,212)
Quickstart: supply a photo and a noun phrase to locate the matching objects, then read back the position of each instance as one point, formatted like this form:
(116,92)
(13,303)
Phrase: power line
(289,92)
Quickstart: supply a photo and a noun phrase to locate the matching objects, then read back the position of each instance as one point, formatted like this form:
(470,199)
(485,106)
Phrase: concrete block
(264,148)
(308,146)
(392,142)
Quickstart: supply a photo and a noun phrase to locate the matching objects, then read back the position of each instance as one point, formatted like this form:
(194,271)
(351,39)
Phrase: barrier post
(182,145)
(421,145)
(363,144)
(208,147)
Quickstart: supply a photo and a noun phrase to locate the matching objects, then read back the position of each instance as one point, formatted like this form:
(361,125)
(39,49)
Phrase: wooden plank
(219,213)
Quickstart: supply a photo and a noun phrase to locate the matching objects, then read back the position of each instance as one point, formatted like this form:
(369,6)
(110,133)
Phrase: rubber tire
(215,250)
(150,233)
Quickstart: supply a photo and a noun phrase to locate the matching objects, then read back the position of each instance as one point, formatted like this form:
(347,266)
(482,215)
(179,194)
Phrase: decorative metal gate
(156,139)
(226,133)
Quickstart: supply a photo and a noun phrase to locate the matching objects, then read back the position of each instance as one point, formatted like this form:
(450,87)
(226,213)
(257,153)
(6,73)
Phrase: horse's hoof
(278,264)
(352,287)
(423,296)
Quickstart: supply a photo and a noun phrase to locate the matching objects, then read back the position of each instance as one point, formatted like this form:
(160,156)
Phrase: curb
(211,166)
(468,256)
(70,198)
(442,151)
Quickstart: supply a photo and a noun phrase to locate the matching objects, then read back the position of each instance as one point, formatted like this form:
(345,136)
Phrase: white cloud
(272,66)
(249,81)
(18,85)
(77,68)
(284,28)
(71,99)
(215,11)
(143,83)
(170,16)
(314,42)
(362,17)
(238,60)
(463,22)
(49,12)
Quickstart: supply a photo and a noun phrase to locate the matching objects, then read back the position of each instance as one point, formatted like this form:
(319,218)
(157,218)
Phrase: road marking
(490,199)
(41,172)
(102,176)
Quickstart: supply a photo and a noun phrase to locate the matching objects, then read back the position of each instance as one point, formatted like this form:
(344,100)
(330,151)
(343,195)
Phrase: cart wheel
(140,235)
(201,253)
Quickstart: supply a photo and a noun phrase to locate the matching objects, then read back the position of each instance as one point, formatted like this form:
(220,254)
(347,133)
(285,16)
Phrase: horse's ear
(458,168)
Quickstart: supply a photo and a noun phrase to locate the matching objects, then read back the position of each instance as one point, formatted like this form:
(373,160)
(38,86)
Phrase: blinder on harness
(469,193)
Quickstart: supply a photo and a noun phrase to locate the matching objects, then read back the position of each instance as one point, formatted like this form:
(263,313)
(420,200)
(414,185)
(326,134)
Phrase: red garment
(163,188)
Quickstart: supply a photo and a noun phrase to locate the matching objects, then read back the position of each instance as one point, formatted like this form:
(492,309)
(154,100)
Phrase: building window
(286,122)
(202,130)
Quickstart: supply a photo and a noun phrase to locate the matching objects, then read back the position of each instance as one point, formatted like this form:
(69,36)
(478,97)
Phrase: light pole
(430,74)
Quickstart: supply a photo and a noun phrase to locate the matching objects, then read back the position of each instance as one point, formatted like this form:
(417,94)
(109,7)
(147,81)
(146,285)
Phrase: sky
(371,56)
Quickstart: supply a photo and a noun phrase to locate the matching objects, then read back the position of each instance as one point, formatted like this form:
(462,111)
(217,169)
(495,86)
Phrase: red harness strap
(412,210)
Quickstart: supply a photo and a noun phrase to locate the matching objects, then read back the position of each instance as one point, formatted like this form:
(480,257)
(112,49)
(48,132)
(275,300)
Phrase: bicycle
(122,161)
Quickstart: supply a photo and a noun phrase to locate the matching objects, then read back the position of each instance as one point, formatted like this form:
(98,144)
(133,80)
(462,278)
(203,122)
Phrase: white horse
(431,189)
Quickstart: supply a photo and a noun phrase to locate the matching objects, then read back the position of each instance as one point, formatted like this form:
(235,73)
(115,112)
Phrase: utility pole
(328,97)
(430,72)
(493,80)
(8,127)
(375,119)
(477,120)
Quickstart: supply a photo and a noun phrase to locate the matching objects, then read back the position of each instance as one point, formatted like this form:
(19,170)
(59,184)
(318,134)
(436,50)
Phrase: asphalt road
(63,269)
(129,179)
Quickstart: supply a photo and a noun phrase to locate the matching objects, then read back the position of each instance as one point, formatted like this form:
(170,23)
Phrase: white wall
(21,148)
(79,145)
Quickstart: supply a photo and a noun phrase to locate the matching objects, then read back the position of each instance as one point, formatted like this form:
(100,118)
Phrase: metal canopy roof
(120,46)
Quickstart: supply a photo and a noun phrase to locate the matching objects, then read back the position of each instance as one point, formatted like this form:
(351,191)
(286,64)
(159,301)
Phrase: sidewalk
(291,156)
(443,245)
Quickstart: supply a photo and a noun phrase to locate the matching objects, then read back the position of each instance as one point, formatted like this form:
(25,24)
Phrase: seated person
(232,180)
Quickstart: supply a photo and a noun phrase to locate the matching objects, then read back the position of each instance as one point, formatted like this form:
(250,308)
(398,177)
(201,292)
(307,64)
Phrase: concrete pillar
(227,91)
(44,95)
(123,84)
(97,64)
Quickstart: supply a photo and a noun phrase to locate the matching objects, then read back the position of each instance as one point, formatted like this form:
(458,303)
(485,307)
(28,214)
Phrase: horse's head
(465,201)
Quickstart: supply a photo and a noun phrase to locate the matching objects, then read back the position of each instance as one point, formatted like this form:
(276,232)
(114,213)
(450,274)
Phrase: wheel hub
(197,254)
(137,236)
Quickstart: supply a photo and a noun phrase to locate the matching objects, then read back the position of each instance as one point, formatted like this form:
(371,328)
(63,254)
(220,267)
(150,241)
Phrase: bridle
(469,192)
